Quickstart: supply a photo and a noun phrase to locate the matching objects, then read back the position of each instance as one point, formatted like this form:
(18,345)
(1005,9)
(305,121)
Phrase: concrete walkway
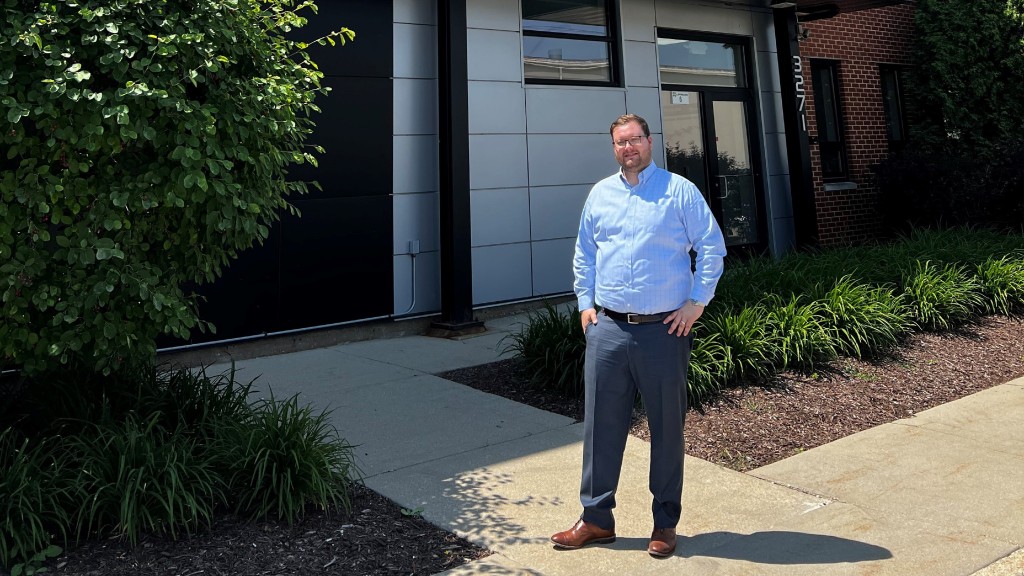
(941,493)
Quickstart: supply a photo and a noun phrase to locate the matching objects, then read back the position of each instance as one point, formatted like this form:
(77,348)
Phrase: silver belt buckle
(632,318)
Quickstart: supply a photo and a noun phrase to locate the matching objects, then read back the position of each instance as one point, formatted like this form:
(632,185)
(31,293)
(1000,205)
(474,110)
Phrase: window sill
(837,186)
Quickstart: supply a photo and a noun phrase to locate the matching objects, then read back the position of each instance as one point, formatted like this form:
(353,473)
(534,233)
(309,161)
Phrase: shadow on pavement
(781,547)
(487,508)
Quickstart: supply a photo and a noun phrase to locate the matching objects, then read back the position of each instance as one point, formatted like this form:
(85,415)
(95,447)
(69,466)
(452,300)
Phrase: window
(892,103)
(700,63)
(831,148)
(569,42)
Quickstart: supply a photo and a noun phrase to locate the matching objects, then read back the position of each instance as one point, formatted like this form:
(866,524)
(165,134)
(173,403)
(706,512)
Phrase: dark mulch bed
(752,426)
(376,539)
(743,428)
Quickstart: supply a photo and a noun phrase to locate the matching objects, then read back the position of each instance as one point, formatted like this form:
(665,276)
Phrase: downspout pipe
(453,173)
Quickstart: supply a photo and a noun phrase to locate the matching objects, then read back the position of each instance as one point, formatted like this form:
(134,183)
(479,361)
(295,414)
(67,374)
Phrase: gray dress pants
(620,359)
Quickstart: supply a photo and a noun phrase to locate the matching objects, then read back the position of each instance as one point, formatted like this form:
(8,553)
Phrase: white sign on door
(680,97)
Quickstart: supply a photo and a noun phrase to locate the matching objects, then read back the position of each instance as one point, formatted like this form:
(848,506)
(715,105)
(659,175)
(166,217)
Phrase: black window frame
(611,39)
(897,74)
(832,149)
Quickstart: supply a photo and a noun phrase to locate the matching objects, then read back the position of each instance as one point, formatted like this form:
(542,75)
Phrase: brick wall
(861,42)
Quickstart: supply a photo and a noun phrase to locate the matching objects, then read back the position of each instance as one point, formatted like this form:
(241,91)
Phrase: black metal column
(453,171)
(798,150)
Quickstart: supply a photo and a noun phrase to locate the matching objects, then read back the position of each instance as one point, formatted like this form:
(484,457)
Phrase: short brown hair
(626,119)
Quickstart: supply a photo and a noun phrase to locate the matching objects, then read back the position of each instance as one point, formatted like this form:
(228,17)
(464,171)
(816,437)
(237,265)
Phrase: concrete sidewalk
(938,494)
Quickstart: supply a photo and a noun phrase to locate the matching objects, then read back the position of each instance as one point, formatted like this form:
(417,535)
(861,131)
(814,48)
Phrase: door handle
(723,182)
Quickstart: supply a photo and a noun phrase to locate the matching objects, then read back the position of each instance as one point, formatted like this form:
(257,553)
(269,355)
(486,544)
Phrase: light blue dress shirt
(633,248)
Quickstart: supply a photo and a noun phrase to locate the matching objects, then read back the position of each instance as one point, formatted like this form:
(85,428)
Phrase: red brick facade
(861,42)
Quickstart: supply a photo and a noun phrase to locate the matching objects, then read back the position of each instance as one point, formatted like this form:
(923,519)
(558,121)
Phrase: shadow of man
(780,547)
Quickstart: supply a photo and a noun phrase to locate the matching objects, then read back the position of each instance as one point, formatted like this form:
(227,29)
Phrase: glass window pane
(564,59)
(892,105)
(588,17)
(683,130)
(701,63)
(828,112)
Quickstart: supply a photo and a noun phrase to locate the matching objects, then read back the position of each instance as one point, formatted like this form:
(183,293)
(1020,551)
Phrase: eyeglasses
(632,141)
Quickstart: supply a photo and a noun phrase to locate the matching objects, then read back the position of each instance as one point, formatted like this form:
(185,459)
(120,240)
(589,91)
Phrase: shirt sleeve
(584,262)
(707,241)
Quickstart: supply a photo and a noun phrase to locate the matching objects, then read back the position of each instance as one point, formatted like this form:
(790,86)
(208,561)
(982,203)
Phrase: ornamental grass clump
(864,320)
(283,458)
(799,333)
(805,309)
(140,478)
(744,341)
(69,399)
(35,493)
(158,452)
(552,345)
(193,400)
(709,370)
(943,297)
(1002,285)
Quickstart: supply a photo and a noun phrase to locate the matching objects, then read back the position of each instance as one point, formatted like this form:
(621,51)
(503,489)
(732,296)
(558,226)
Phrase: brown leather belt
(630,318)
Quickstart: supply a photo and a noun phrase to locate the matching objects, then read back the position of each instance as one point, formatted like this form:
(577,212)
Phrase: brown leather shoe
(663,542)
(582,534)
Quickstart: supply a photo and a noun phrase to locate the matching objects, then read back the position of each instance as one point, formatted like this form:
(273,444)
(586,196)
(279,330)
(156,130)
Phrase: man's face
(632,157)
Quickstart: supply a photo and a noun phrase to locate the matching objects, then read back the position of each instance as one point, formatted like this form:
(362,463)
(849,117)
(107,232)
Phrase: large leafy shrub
(953,185)
(969,65)
(966,116)
(145,144)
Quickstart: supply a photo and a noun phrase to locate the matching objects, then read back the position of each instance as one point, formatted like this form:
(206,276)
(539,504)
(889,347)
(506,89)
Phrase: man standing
(633,260)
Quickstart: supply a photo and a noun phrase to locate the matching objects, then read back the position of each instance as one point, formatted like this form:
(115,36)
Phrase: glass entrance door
(734,185)
(709,128)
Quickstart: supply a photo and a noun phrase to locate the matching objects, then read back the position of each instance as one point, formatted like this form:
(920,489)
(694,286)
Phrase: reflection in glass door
(736,188)
(684,141)
(707,104)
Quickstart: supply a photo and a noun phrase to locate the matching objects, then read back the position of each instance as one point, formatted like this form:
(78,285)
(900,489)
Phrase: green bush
(146,143)
(709,370)
(943,297)
(552,345)
(799,333)
(35,492)
(70,399)
(807,308)
(284,458)
(744,340)
(159,451)
(1002,285)
(966,52)
(864,320)
(140,478)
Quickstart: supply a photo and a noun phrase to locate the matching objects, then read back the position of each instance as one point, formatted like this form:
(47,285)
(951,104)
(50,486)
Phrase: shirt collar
(643,175)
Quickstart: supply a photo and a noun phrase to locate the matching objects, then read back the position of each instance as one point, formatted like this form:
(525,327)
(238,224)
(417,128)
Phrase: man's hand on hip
(588,317)
(681,321)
